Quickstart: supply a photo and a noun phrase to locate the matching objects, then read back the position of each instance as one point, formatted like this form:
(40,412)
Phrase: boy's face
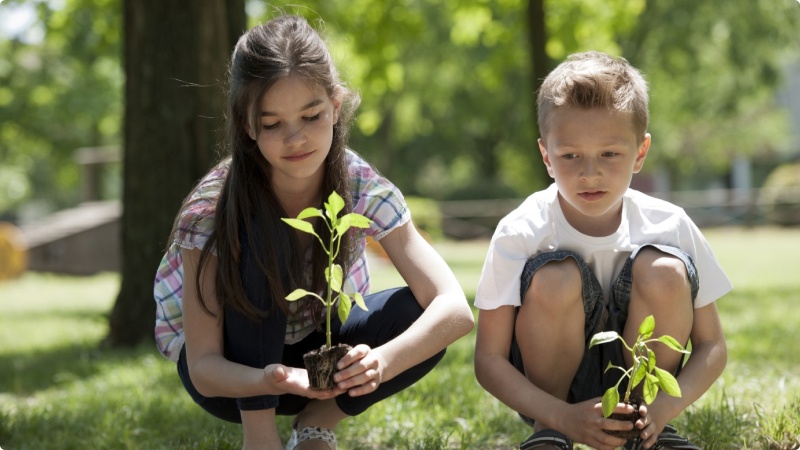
(592,155)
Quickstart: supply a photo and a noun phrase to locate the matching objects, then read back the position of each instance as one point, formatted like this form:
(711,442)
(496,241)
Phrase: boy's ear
(545,158)
(641,154)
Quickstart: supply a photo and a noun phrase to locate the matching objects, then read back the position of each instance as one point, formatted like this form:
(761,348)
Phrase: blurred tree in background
(60,89)
(448,85)
(448,91)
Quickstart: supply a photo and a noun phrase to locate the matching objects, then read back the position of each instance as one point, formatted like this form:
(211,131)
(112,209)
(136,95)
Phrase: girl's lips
(592,196)
(298,157)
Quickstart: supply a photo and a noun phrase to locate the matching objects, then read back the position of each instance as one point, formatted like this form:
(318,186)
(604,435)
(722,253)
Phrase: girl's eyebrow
(311,104)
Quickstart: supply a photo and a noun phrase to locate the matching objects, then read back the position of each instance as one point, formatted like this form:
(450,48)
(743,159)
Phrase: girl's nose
(295,136)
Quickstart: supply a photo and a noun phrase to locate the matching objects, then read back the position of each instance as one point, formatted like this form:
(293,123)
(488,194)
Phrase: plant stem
(328,302)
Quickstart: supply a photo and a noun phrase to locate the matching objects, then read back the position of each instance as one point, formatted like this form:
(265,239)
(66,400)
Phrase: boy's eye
(609,154)
(569,156)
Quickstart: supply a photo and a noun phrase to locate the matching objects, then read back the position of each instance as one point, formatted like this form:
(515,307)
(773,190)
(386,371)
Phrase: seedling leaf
(610,401)
(650,388)
(301,225)
(602,338)
(668,382)
(344,307)
(335,204)
(309,212)
(335,277)
(641,372)
(297,294)
(672,343)
(360,301)
(647,327)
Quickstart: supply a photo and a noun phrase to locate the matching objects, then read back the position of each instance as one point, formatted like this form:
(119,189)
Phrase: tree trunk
(176,55)
(537,42)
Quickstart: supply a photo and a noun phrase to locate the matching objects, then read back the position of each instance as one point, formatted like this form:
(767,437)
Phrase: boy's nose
(590,170)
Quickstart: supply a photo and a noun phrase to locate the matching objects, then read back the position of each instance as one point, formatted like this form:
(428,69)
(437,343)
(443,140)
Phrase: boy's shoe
(311,433)
(547,437)
(668,439)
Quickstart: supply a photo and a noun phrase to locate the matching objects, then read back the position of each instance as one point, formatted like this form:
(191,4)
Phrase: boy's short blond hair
(594,79)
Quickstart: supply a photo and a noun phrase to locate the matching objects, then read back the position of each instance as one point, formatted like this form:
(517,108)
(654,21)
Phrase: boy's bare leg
(661,288)
(550,327)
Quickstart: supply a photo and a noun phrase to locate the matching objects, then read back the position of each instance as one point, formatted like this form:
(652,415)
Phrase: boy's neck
(599,226)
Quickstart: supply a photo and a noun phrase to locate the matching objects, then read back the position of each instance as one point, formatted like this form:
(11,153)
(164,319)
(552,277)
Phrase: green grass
(60,389)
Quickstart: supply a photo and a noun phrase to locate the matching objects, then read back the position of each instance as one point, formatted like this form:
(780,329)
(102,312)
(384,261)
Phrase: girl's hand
(292,380)
(586,424)
(360,371)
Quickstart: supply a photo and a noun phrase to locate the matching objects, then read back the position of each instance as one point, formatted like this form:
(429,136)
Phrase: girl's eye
(312,118)
(271,126)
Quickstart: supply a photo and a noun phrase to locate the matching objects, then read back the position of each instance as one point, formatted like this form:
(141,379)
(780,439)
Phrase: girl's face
(592,154)
(295,131)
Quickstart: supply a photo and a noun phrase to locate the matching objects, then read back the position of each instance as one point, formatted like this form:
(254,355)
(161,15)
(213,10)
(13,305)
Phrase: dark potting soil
(321,365)
(631,417)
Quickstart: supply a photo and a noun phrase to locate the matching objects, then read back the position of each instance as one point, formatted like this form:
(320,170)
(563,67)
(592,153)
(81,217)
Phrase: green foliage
(643,368)
(60,89)
(337,226)
(782,195)
(712,71)
(446,84)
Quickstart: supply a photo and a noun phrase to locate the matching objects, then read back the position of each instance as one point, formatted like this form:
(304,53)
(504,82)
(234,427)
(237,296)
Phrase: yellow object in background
(13,252)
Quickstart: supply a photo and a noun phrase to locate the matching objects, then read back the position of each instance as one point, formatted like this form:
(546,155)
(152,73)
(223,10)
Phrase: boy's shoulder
(535,204)
(648,202)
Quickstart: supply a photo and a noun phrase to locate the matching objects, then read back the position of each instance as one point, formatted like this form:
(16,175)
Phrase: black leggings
(257,345)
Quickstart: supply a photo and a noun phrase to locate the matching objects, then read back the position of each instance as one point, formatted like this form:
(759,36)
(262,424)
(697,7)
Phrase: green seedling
(334,275)
(643,367)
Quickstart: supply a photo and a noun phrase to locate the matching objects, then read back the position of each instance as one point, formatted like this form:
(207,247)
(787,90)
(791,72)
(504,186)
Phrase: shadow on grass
(25,373)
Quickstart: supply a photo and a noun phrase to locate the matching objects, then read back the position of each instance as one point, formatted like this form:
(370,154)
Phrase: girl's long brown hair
(284,46)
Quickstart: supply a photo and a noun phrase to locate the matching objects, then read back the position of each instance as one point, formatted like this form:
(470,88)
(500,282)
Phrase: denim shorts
(590,380)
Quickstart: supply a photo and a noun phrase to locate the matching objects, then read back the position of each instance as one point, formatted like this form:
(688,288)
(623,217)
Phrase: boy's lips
(592,196)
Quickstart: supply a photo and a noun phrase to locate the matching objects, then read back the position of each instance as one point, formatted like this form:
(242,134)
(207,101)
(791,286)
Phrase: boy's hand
(649,425)
(587,424)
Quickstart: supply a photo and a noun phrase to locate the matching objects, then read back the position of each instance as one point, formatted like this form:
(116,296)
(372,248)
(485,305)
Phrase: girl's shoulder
(195,221)
(374,195)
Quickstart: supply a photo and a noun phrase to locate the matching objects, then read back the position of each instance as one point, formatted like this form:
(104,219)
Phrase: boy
(589,254)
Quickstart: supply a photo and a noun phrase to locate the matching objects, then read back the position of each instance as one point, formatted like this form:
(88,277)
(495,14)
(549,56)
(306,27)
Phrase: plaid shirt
(373,196)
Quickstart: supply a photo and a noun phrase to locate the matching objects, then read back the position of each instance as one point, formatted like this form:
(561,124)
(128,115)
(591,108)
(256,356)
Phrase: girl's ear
(249,130)
(338,94)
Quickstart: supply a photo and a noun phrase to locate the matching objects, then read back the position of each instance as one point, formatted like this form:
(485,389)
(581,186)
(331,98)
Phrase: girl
(220,288)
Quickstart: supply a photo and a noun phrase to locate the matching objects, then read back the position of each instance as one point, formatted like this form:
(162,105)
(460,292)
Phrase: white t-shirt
(539,226)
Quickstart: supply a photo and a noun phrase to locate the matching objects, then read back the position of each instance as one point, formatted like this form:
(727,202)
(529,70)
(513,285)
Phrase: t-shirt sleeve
(377,198)
(499,284)
(713,281)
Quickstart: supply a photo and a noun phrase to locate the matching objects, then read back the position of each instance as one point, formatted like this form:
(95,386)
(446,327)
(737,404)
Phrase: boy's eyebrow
(311,104)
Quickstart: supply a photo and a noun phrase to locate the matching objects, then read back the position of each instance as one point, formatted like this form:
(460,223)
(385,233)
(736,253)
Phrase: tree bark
(541,63)
(175,56)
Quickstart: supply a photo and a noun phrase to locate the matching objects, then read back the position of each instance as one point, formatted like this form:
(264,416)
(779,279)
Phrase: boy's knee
(556,284)
(659,275)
